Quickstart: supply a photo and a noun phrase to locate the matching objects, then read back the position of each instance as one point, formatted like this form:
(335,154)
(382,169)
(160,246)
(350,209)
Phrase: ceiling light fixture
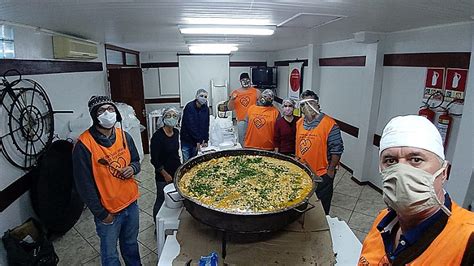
(213,48)
(228,30)
(227,21)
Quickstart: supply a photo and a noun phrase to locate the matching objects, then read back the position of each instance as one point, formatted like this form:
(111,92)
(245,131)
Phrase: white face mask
(202,99)
(171,122)
(409,190)
(245,83)
(107,119)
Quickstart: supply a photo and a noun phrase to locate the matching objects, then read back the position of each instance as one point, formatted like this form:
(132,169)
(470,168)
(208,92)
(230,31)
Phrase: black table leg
(224,244)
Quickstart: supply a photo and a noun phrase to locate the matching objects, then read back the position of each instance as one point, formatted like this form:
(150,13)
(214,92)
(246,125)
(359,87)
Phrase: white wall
(403,86)
(461,182)
(69,91)
(341,92)
(155,82)
(345,94)
(300,53)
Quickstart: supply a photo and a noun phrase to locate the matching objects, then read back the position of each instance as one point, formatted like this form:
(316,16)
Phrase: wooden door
(126,85)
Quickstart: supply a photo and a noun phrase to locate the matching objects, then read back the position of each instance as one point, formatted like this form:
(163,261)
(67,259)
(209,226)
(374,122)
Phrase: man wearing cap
(261,119)
(105,161)
(319,144)
(240,100)
(195,125)
(422,225)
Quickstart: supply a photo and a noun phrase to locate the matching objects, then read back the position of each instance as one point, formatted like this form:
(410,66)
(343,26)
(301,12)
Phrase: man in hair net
(422,225)
(318,144)
(195,125)
(261,119)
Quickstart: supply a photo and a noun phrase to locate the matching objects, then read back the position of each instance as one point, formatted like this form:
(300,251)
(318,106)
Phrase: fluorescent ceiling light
(227,21)
(229,30)
(212,48)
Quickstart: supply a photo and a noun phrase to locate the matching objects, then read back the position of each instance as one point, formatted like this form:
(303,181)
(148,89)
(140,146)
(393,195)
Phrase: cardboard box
(307,241)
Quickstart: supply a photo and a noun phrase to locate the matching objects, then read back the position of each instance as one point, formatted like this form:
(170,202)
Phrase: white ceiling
(151,25)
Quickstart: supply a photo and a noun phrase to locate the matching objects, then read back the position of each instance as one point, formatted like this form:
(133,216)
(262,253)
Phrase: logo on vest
(305,145)
(245,101)
(115,166)
(363,261)
(259,122)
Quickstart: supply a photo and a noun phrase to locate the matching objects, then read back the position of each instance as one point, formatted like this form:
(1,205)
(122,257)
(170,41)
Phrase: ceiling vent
(67,48)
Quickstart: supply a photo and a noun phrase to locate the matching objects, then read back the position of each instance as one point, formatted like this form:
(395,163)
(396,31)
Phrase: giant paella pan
(245,190)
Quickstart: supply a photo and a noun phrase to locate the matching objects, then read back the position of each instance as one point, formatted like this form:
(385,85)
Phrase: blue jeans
(188,151)
(124,228)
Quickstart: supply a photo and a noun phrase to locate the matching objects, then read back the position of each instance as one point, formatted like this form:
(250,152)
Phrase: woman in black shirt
(164,154)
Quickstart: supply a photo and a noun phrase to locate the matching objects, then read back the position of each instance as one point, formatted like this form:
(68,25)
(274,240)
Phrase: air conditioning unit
(67,48)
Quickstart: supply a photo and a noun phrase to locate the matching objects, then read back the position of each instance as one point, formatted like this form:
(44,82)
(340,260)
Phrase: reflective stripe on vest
(312,145)
(244,100)
(115,194)
(261,127)
(446,249)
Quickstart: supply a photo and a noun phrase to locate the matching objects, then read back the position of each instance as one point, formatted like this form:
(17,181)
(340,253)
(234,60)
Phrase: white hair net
(199,91)
(412,131)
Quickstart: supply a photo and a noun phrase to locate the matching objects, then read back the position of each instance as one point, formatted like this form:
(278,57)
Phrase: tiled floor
(357,205)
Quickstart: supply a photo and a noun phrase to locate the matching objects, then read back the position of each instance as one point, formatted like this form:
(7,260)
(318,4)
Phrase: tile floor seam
(80,235)
(90,259)
(365,214)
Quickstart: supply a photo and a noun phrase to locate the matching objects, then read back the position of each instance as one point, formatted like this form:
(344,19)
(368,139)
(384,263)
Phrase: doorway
(126,85)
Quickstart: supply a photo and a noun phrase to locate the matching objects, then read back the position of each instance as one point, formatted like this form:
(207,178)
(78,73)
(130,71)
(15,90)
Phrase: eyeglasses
(203,96)
(287,105)
(171,116)
(102,109)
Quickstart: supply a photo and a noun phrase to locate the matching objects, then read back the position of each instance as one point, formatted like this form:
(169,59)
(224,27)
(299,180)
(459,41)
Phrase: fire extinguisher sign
(434,81)
(455,84)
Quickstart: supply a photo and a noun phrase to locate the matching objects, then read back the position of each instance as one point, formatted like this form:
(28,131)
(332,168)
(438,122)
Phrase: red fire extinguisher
(444,126)
(427,112)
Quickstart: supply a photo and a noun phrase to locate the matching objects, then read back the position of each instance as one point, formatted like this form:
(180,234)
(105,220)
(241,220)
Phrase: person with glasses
(261,120)
(105,161)
(240,100)
(285,129)
(164,154)
(195,125)
(319,144)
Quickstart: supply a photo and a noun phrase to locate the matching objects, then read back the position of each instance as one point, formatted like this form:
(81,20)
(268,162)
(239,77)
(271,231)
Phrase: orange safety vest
(244,99)
(312,145)
(261,127)
(115,194)
(446,249)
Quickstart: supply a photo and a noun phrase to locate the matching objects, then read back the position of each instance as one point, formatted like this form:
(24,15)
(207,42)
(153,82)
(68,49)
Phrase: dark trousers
(160,197)
(324,192)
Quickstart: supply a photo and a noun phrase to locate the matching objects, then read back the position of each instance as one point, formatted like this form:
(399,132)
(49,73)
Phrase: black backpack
(27,245)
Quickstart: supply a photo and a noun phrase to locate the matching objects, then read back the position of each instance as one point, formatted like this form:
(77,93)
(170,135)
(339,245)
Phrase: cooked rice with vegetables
(246,183)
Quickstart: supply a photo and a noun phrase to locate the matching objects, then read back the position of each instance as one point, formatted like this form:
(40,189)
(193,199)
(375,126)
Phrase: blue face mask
(171,122)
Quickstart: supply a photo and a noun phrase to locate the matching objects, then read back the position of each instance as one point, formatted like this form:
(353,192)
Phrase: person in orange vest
(261,119)
(105,161)
(422,225)
(240,100)
(318,144)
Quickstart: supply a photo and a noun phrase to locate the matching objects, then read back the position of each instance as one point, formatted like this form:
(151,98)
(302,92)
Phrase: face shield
(309,107)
